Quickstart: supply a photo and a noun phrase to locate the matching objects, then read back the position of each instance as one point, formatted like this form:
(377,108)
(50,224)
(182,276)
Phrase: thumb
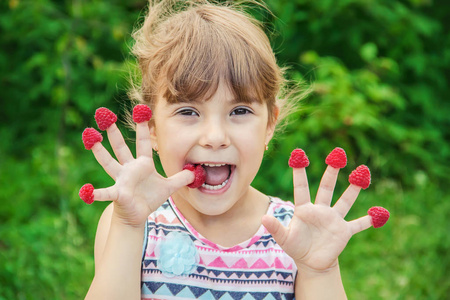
(275,228)
(179,180)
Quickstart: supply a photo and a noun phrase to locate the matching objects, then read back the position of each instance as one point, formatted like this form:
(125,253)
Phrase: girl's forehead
(218,89)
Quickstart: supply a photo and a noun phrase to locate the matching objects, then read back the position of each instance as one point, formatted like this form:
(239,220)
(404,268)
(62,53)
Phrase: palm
(316,236)
(134,201)
(138,189)
(317,233)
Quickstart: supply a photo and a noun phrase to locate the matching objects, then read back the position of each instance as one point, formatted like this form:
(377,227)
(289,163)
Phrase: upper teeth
(214,165)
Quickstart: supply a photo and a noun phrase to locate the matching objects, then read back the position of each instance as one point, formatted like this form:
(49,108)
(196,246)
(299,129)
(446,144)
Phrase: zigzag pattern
(226,276)
(255,269)
(187,292)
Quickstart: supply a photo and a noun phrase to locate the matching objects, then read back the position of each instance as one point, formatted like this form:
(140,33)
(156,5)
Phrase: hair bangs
(210,55)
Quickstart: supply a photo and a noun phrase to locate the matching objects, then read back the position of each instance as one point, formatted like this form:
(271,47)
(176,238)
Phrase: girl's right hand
(139,189)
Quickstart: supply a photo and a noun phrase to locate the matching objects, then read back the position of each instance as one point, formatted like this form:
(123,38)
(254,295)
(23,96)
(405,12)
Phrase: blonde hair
(185,48)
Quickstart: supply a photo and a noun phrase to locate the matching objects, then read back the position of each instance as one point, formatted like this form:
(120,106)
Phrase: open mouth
(217,175)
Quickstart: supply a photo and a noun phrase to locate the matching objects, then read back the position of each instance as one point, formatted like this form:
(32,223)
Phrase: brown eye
(241,111)
(187,112)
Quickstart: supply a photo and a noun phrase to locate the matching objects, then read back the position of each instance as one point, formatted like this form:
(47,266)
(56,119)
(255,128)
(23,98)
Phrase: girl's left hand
(317,233)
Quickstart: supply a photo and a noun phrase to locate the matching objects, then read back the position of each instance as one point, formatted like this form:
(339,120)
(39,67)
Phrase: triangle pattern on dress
(174,288)
(218,263)
(197,291)
(259,264)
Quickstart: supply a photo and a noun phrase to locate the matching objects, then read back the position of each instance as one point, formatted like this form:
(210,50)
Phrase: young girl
(211,79)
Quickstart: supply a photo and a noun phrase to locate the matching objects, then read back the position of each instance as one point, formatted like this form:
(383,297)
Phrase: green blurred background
(380,71)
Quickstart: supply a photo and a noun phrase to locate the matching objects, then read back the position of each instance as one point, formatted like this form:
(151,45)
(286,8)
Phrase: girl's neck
(235,226)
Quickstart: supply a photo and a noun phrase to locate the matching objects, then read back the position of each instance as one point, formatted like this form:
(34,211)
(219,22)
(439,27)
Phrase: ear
(153,136)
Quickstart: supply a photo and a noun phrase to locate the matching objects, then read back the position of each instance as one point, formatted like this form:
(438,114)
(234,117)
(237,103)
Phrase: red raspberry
(141,113)
(200,175)
(379,216)
(337,158)
(87,193)
(360,177)
(104,118)
(298,159)
(90,137)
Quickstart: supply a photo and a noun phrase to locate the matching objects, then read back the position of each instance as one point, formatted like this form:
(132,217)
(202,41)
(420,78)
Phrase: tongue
(216,175)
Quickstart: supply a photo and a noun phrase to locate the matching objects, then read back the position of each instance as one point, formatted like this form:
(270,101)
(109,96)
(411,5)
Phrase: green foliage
(379,74)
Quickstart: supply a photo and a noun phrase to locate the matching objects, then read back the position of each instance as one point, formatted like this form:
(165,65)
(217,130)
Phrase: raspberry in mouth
(210,176)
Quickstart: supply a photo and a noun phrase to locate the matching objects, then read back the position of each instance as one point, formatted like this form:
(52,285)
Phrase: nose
(214,134)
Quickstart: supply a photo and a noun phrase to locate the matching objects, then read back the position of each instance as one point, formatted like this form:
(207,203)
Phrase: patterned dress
(179,263)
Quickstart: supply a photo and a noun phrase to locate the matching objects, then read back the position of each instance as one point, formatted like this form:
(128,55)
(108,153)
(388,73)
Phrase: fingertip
(298,159)
(379,216)
(141,113)
(90,137)
(199,175)
(360,224)
(190,176)
(265,218)
(181,179)
(360,177)
(86,193)
(337,158)
(104,118)
(269,222)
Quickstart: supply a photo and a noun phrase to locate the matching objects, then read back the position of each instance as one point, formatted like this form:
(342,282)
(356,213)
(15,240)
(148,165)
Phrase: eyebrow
(233,100)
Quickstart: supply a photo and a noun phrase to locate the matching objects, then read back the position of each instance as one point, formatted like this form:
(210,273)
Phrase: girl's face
(225,136)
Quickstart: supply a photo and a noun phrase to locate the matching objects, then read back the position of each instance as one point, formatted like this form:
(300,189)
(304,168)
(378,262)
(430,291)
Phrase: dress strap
(144,246)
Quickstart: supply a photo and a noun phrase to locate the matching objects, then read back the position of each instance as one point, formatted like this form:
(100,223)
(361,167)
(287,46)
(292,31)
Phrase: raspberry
(87,193)
(337,158)
(104,118)
(360,177)
(379,216)
(298,159)
(141,113)
(91,136)
(200,175)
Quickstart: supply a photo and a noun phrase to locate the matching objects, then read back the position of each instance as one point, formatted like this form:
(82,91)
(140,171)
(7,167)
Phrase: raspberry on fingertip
(360,177)
(104,118)
(298,159)
(90,137)
(200,175)
(379,216)
(87,193)
(141,113)
(337,158)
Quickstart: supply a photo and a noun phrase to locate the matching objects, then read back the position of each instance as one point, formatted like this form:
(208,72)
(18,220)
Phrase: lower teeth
(214,187)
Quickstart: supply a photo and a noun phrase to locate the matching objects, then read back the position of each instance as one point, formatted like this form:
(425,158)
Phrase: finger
(88,194)
(301,188)
(106,194)
(326,187)
(104,158)
(118,144)
(143,142)
(360,224)
(347,199)
(275,228)
(179,180)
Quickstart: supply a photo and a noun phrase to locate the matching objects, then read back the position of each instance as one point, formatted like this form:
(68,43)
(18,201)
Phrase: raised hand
(318,233)
(139,189)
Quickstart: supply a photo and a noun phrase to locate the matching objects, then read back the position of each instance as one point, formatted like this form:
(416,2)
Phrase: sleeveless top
(179,263)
